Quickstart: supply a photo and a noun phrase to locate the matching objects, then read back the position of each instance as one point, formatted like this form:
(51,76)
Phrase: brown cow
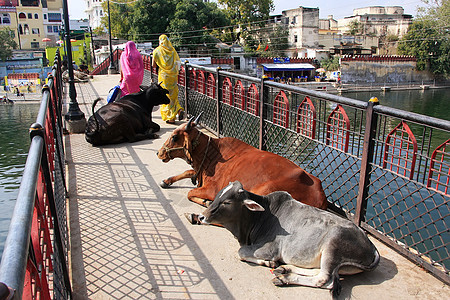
(219,161)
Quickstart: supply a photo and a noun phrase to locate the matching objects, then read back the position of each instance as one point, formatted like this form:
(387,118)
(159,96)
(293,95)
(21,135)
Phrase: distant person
(131,69)
(74,65)
(65,64)
(168,61)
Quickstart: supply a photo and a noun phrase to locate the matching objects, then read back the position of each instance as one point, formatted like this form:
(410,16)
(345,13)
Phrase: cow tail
(337,287)
(93,113)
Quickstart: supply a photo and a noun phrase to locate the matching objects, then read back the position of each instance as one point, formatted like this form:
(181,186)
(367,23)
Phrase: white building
(303,24)
(378,21)
(94,10)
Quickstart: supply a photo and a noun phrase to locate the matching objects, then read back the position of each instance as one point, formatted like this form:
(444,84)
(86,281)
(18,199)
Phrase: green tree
(428,38)
(272,37)
(247,11)
(190,24)
(8,43)
(151,18)
(249,15)
(121,18)
(330,64)
(355,27)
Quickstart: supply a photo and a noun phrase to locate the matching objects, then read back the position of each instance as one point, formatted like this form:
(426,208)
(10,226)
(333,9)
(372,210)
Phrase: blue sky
(339,9)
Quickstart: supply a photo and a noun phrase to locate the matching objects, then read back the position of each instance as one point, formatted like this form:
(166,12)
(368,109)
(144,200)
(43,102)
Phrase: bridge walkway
(129,238)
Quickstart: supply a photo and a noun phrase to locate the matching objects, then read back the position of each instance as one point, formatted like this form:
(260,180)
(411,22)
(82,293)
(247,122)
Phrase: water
(434,103)
(15,120)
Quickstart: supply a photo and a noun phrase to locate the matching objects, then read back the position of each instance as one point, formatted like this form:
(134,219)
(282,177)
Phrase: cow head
(228,206)
(180,142)
(150,96)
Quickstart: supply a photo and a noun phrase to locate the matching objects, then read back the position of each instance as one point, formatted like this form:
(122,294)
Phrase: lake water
(434,103)
(15,120)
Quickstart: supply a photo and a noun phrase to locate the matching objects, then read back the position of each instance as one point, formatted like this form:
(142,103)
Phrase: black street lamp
(112,68)
(74,117)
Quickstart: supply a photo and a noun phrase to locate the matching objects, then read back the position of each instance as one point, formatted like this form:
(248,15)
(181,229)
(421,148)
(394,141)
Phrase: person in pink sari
(131,69)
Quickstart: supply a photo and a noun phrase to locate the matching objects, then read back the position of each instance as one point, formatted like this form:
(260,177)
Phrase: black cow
(310,246)
(128,119)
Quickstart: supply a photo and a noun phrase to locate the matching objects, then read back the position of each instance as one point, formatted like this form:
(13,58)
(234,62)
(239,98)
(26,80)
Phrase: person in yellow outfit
(168,61)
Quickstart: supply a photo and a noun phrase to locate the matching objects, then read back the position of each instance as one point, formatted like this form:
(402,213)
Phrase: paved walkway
(130,240)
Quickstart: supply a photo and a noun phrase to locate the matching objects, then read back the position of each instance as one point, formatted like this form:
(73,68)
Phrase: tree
(330,64)
(190,24)
(151,18)
(355,27)
(428,38)
(121,15)
(8,43)
(273,41)
(247,11)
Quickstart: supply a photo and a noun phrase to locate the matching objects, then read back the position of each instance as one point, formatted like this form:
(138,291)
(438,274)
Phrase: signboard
(7,9)
(281,60)
(197,60)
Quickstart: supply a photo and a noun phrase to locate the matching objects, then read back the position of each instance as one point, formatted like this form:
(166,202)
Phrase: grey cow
(309,246)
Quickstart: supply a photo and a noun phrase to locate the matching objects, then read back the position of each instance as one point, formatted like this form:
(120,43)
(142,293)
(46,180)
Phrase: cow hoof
(164,185)
(192,218)
(280,270)
(280,280)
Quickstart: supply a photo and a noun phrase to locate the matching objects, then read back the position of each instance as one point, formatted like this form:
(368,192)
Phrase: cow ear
(252,205)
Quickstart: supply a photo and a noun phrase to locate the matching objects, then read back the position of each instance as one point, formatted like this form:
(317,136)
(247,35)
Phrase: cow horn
(198,118)
(189,123)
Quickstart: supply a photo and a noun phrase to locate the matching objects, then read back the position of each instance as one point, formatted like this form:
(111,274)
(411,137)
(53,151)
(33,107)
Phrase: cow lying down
(128,119)
(309,246)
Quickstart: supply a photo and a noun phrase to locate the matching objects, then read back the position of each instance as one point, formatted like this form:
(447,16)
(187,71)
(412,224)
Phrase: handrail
(34,261)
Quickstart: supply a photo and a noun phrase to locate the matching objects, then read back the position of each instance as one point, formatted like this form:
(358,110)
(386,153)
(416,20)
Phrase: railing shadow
(131,242)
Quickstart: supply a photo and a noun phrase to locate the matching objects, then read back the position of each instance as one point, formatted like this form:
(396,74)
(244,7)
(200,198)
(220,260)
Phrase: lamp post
(112,68)
(76,121)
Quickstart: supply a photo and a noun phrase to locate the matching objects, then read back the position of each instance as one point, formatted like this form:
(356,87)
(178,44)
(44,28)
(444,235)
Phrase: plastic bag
(114,94)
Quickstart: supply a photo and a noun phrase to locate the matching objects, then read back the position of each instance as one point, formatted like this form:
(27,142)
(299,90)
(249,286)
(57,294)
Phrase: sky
(339,9)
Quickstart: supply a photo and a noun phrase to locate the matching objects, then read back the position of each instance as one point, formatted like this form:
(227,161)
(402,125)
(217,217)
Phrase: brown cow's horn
(198,118)
(189,123)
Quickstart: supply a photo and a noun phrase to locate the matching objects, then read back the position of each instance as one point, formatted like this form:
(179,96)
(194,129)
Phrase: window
(54,17)
(6,19)
(22,15)
(30,16)
(49,29)
(56,29)
(35,30)
(26,29)
(295,38)
(35,45)
(30,2)
(36,16)
(45,16)
(20,29)
(101,12)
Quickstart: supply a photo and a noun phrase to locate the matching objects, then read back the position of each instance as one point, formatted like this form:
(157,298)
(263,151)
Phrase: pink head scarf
(132,69)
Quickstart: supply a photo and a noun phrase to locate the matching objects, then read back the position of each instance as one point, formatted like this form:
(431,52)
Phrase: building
(35,23)
(337,42)
(94,10)
(303,24)
(378,21)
